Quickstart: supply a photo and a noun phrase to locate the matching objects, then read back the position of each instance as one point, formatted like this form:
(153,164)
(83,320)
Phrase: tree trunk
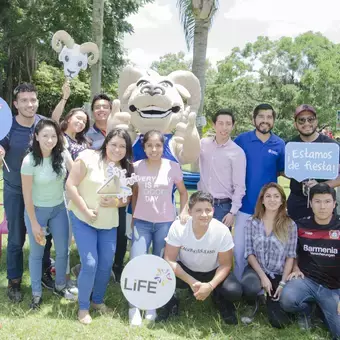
(97,34)
(199,58)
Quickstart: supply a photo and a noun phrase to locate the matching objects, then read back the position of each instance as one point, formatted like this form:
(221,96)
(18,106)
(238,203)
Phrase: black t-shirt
(295,186)
(318,251)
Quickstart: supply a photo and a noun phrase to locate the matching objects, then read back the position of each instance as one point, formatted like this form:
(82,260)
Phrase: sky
(158,30)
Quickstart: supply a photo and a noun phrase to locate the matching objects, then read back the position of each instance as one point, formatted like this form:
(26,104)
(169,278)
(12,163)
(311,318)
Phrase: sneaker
(304,322)
(36,302)
(228,313)
(135,318)
(14,291)
(47,280)
(170,309)
(71,285)
(250,313)
(76,270)
(65,293)
(150,315)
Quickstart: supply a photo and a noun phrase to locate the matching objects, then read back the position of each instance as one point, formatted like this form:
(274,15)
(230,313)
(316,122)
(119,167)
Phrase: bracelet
(282,284)
(211,286)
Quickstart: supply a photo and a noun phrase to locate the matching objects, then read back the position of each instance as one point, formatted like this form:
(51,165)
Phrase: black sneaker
(228,313)
(14,291)
(65,293)
(170,309)
(36,302)
(47,280)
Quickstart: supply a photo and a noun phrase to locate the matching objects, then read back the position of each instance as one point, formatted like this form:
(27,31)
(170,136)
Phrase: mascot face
(155,103)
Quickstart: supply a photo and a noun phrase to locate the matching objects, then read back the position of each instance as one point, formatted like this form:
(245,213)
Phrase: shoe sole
(46,286)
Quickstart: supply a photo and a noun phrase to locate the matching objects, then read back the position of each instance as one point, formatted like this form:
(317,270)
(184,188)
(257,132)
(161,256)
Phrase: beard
(263,128)
(304,134)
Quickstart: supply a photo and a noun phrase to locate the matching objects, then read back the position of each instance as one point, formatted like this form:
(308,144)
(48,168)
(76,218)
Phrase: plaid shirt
(270,252)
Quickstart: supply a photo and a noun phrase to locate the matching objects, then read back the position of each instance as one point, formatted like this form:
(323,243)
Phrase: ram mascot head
(168,104)
(73,56)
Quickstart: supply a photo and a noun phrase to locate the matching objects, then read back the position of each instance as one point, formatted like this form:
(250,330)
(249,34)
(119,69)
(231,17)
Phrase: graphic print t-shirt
(319,251)
(200,255)
(154,202)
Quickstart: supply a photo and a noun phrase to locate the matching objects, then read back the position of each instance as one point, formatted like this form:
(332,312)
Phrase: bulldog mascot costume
(169,104)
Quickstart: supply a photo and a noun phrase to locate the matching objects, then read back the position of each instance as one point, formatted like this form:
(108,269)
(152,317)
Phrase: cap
(304,107)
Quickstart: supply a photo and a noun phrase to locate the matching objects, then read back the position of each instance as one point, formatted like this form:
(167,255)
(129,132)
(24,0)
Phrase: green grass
(57,318)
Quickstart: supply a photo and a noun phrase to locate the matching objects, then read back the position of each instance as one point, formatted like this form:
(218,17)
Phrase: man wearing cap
(306,124)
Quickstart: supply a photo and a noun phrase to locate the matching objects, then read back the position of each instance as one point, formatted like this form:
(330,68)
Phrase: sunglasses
(303,120)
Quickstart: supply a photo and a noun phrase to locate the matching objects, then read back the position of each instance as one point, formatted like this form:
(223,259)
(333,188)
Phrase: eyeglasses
(303,120)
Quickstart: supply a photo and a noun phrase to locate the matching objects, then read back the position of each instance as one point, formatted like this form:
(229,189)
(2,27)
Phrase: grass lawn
(57,318)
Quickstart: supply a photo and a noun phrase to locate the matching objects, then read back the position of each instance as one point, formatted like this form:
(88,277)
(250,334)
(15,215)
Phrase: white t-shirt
(200,255)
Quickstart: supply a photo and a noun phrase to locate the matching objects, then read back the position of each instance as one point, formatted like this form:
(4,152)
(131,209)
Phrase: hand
(277,294)
(339,308)
(193,287)
(310,183)
(204,290)
(186,127)
(2,152)
(109,201)
(228,219)
(91,215)
(118,119)
(38,234)
(266,285)
(66,90)
(296,274)
(183,217)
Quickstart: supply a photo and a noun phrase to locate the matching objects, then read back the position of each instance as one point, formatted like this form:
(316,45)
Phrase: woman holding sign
(95,218)
(270,239)
(45,212)
(152,205)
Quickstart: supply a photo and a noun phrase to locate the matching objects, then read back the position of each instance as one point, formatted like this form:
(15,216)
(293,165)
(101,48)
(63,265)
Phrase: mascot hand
(186,127)
(118,119)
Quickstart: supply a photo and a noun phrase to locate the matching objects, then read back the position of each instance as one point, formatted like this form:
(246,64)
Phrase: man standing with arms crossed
(223,169)
(265,154)
(12,149)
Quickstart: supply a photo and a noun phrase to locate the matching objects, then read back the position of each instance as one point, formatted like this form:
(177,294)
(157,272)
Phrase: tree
(171,62)
(196,17)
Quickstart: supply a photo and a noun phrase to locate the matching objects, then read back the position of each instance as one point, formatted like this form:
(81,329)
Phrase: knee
(251,285)
(232,289)
(288,300)
(89,263)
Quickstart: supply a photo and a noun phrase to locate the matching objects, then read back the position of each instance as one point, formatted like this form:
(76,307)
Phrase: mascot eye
(80,63)
(142,82)
(67,59)
(166,84)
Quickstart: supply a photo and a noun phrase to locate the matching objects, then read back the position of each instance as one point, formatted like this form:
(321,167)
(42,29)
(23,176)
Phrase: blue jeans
(14,209)
(299,294)
(96,249)
(55,218)
(220,210)
(144,232)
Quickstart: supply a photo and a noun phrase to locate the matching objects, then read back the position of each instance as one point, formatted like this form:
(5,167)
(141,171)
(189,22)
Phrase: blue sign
(6,119)
(312,161)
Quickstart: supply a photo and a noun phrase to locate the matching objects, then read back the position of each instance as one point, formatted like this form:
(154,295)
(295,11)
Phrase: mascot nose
(152,89)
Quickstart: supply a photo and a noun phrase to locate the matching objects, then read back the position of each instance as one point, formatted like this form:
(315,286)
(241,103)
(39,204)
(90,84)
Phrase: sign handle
(3,159)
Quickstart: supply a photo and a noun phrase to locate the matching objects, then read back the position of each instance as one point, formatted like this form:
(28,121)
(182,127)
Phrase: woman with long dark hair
(43,174)
(94,217)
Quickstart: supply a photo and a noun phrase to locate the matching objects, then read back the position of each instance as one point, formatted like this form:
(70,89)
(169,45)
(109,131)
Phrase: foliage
(171,62)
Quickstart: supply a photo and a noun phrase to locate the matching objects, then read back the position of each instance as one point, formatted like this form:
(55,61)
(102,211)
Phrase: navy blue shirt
(96,137)
(16,144)
(264,162)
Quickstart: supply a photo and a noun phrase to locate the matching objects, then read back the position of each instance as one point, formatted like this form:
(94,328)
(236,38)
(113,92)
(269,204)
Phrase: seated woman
(45,212)
(152,205)
(270,248)
(95,218)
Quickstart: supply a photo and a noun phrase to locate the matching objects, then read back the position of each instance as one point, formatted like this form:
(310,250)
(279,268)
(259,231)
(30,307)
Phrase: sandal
(84,317)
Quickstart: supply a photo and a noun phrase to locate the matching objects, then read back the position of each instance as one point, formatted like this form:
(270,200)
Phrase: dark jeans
(225,293)
(121,240)
(14,209)
(251,286)
(299,295)
(222,209)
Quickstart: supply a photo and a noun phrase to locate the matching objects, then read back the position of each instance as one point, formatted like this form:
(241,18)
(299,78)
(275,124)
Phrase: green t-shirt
(47,187)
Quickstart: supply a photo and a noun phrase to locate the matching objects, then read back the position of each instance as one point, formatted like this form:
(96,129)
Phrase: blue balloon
(6,119)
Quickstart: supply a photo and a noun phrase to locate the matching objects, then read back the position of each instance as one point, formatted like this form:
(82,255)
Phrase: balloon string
(3,159)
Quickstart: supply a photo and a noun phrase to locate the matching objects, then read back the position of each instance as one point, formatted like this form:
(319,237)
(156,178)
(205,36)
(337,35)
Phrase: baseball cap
(304,107)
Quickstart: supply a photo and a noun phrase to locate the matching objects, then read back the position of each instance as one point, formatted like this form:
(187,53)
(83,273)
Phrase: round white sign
(148,282)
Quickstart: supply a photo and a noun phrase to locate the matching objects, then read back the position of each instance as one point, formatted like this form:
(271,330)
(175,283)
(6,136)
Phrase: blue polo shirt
(264,162)
(16,144)
(96,137)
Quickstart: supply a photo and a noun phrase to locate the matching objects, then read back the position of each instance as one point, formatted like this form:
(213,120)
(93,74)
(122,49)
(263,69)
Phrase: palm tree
(196,17)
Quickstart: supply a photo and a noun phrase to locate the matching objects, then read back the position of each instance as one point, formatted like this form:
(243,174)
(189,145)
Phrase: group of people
(285,252)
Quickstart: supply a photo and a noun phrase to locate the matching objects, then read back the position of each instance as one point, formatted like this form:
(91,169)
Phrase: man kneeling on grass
(200,253)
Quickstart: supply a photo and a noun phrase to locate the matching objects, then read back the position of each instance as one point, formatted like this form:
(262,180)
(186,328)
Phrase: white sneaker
(151,315)
(71,285)
(135,318)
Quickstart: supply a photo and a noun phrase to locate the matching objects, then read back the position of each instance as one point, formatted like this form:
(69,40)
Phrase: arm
(2,154)
(333,183)
(58,111)
(170,255)
(183,200)
(27,182)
